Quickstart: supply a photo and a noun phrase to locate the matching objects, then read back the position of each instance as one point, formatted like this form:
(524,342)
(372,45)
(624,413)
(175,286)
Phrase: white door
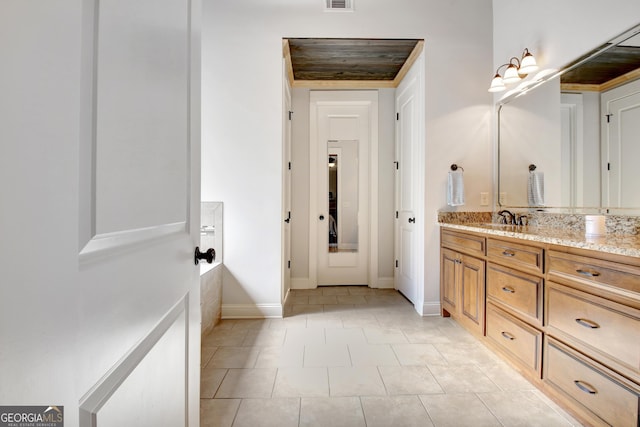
(408,186)
(621,146)
(341,133)
(571,149)
(286,182)
(99,216)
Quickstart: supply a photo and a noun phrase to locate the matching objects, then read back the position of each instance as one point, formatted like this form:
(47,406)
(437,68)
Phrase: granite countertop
(620,244)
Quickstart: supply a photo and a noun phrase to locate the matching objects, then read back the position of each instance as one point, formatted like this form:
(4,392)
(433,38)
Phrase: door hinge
(397,116)
(289,165)
(290,114)
(396,263)
(396,214)
(289,264)
(608,166)
(608,117)
(397,163)
(288,218)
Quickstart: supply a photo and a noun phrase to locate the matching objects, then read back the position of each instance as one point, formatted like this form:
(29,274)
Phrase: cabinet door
(449,288)
(472,288)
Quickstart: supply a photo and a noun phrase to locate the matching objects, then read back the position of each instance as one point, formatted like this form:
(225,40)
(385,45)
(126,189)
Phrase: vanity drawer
(515,290)
(591,271)
(519,341)
(524,257)
(609,330)
(463,242)
(602,394)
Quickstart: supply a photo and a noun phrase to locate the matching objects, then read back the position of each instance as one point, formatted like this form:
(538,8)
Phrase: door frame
(344,97)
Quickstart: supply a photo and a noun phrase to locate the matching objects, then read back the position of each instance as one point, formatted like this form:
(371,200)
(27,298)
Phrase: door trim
(368,98)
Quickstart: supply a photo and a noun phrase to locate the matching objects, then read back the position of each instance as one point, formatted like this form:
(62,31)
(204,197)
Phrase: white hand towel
(455,188)
(535,189)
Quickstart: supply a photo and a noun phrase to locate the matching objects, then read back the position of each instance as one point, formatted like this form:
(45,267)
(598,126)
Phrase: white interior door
(621,150)
(99,177)
(340,185)
(286,191)
(407,187)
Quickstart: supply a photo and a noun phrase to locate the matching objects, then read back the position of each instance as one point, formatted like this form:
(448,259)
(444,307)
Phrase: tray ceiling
(331,62)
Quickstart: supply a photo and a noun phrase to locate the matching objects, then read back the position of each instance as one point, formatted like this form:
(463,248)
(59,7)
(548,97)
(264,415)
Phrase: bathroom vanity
(561,308)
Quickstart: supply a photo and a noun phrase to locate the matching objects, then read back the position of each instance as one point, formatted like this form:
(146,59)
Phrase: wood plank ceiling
(349,63)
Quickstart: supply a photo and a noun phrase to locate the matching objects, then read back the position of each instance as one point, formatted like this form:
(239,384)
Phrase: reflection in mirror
(577,131)
(343,196)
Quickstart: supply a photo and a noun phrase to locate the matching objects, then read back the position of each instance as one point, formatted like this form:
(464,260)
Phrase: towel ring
(532,167)
(455,167)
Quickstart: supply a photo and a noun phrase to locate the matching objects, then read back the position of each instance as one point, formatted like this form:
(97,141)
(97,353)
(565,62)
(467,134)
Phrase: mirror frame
(540,79)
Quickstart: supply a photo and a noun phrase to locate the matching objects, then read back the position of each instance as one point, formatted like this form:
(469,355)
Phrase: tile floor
(354,356)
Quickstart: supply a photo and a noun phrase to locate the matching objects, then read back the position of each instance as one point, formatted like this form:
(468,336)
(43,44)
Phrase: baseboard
(301,283)
(386,283)
(251,311)
(431,308)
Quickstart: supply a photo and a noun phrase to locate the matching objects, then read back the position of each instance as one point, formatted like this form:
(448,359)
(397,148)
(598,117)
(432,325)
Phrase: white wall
(242,135)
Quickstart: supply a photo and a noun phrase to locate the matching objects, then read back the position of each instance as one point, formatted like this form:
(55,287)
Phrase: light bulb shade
(528,64)
(511,75)
(497,85)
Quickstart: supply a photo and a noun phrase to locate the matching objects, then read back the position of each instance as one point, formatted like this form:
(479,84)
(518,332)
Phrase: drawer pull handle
(508,336)
(508,253)
(587,323)
(586,387)
(588,273)
(509,290)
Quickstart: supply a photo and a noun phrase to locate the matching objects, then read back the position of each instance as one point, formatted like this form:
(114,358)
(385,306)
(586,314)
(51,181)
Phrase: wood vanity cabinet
(462,278)
(567,318)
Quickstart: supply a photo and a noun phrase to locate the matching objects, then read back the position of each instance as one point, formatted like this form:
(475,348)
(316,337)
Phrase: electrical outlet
(503,198)
(484,198)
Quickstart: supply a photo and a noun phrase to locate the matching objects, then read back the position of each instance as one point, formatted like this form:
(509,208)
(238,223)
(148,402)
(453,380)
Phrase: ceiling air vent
(340,5)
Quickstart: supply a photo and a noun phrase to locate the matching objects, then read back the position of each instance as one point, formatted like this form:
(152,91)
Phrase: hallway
(354,356)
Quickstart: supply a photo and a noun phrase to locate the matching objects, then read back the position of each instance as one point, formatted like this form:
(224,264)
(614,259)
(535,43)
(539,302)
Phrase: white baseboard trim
(301,283)
(251,311)
(431,308)
(386,283)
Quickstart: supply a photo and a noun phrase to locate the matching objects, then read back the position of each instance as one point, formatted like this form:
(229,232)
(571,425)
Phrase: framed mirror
(570,141)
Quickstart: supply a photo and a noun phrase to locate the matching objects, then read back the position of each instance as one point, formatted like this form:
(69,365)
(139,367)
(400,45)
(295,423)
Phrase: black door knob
(321,217)
(209,255)
(412,220)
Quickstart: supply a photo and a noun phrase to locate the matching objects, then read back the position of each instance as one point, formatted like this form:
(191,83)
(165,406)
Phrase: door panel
(113,210)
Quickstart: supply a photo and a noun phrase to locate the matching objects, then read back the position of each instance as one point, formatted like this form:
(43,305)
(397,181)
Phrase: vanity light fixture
(516,70)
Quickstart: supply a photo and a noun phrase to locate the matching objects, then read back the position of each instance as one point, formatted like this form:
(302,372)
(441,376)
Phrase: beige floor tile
(458,410)
(360,321)
(248,324)
(401,411)
(210,380)
(358,381)
(426,334)
(372,355)
(247,383)
(507,378)
(418,354)
(324,355)
(328,320)
(301,382)
(299,309)
(306,292)
(352,299)
(384,336)
(522,408)
(401,380)
(472,353)
(288,322)
(345,336)
(338,309)
(331,412)
(289,356)
(218,412)
(361,290)
(298,336)
(234,357)
(463,379)
(224,337)
(264,337)
(205,355)
(299,300)
(276,412)
(334,290)
(323,299)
